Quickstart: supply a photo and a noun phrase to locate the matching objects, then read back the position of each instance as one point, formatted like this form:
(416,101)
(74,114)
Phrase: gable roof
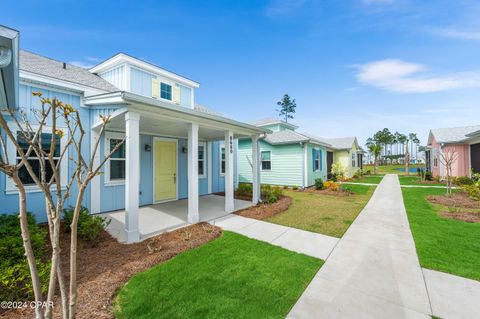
(342,143)
(453,134)
(121,58)
(37,64)
(291,137)
(273,121)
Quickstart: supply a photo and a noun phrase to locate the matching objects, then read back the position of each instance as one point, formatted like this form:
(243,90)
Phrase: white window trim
(106,148)
(353,159)
(222,145)
(12,158)
(317,156)
(171,91)
(204,145)
(261,161)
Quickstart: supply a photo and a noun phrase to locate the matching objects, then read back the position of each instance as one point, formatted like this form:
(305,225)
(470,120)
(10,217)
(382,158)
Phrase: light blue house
(175,149)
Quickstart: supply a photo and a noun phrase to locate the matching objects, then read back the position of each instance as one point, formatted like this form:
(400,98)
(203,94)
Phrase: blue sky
(353,66)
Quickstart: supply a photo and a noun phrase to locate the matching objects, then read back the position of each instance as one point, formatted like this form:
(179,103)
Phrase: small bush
(295,188)
(244,189)
(271,194)
(331,185)
(428,176)
(15,279)
(473,191)
(285,187)
(463,180)
(319,184)
(89,227)
(368,172)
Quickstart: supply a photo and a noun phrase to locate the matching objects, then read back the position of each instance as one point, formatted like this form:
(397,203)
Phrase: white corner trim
(210,165)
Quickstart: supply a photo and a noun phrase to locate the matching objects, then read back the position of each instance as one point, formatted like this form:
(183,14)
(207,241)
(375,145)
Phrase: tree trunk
(73,254)
(375,166)
(407,161)
(27,244)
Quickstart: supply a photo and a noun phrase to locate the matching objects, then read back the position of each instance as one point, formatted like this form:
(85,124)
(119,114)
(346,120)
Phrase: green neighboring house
(290,158)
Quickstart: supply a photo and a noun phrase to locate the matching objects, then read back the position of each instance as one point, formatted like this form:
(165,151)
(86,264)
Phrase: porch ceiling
(165,126)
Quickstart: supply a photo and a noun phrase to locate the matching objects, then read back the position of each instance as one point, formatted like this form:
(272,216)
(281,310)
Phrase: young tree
(375,148)
(448,157)
(384,137)
(48,179)
(287,107)
(412,137)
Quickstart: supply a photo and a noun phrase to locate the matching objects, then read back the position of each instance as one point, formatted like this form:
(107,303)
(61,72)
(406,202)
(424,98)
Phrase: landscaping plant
(26,139)
(89,227)
(15,278)
(319,184)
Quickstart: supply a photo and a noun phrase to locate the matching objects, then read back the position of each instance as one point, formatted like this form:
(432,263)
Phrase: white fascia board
(188,114)
(123,58)
(33,78)
(102,99)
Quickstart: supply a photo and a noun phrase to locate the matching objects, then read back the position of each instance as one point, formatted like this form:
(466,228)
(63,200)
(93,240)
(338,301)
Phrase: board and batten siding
(287,163)
(116,76)
(35,198)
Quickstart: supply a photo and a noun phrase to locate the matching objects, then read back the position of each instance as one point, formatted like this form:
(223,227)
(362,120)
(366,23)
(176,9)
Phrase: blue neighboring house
(170,139)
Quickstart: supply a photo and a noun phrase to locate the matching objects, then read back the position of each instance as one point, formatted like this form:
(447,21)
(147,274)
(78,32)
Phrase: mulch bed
(469,217)
(262,211)
(102,270)
(460,200)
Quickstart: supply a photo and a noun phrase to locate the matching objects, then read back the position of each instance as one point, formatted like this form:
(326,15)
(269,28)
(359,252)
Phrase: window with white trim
(222,160)
(266,159)
(201,159)
(34,161)
(115,166)
(354,162)
(317,160)
(165,91)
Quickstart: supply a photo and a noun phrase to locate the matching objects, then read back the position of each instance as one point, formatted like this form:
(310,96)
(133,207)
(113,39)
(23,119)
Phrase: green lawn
(324,214)
(446,245)
(404,180)
(370,179)
(230,277)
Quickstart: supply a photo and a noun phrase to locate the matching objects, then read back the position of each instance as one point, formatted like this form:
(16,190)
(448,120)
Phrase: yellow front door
(165,162)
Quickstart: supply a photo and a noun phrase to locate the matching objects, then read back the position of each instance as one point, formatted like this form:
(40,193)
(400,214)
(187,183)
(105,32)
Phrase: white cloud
(457,34)
(87,63)
(405,77)
(282,7)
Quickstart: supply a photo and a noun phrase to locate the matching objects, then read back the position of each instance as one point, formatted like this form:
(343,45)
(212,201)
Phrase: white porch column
(132,165)
(229,201)
(255,170)
(193,215)
(95,183)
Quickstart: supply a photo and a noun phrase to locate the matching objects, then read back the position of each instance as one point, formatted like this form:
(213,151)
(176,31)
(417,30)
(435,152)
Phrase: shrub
(271,194)
(244,189)
(428,176)
(295,188)
(89,227)
(473,191)
(318,184)
(331,185)
(15,279)
(368,172)
(463,180)
(339,170)
(285,187)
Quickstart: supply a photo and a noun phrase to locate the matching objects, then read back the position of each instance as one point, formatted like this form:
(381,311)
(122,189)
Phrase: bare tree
(27,139)
(448,157)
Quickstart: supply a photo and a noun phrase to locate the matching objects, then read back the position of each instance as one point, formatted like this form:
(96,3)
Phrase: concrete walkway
(373,272)
(301,241)
(452,297)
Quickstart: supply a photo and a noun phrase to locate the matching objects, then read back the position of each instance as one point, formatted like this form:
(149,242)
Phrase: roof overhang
(148,107)
(9,60)
(122,58)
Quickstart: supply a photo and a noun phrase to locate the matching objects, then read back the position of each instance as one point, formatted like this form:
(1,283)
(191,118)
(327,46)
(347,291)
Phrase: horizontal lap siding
(287,163)
(313,175)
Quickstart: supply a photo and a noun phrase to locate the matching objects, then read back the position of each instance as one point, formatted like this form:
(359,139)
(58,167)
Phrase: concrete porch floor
(158,218)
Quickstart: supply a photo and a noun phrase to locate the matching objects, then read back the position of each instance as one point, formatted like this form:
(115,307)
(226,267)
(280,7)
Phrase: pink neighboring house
(463,140)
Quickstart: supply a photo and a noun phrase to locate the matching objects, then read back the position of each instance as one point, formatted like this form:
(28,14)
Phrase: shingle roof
(272,120)
(37,64)
(205,109)
(285,137)
(453,134)
(342,142)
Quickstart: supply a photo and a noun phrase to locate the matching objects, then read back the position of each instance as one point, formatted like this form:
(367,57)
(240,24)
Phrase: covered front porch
(172,156)
(158,218)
